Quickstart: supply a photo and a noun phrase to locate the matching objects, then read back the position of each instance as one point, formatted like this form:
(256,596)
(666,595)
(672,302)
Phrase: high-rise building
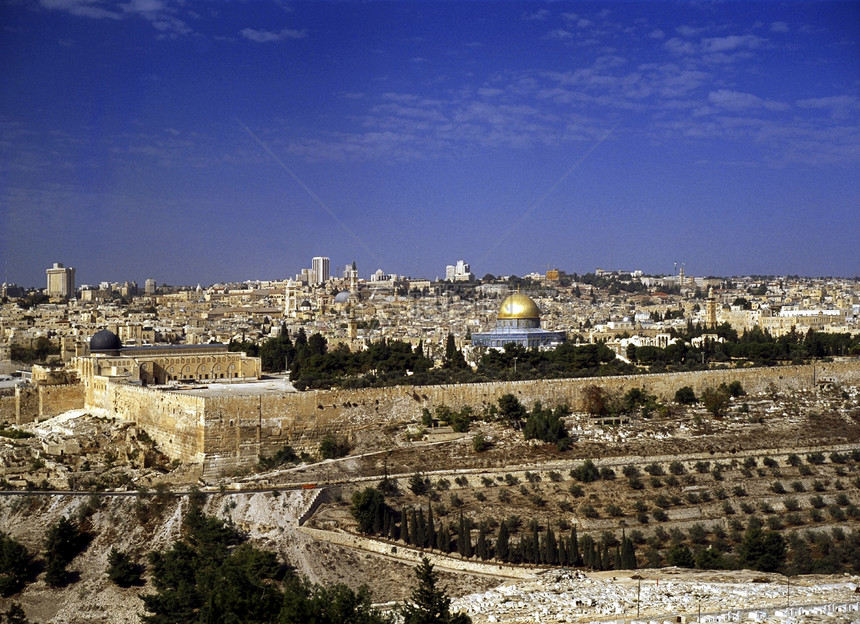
(150,286)
(61,281)
(321,268)
(460,272)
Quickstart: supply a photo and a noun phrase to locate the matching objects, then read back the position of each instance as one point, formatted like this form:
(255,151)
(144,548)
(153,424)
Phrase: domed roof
(342,297)
(518,306)
(105,341)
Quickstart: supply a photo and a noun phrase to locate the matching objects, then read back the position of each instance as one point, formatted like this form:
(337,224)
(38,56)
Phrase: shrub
(607,473)
(576,490)
(659,515)
(677,468)
(685,396)
(480,443)
(332,447)
(797,486)
(614,510)
(654,469)
(804,470)
(727,508)
(635,483)
(816,501)
(791,504)
(739,490)
(588,510)
(816,458)
(555,476)
(794,460)
(630,471)
(703,467)
(586,472)
(818,486)
(777,487)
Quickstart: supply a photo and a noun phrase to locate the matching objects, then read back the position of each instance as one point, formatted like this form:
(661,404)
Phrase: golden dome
(518,306)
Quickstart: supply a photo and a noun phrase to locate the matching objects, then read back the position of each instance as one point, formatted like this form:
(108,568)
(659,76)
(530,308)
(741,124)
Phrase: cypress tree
(573,555)
(551,548)
(392,527)
(628,553)
(503,542)
(421,532)
(431,527)
(562,552)
(467,539)
(404,527)
(482,548)
(413,527)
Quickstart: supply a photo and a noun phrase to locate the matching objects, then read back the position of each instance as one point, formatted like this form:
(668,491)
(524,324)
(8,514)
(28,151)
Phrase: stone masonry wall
(239,429)
(175,421)
(7,405)
(34,403)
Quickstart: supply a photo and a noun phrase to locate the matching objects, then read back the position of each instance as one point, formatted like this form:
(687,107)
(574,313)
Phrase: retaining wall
(231,432)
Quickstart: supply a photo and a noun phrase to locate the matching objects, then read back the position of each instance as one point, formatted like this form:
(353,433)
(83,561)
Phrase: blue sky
(204,141)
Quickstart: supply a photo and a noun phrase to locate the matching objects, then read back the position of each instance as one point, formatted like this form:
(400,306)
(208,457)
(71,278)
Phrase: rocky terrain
(787,460)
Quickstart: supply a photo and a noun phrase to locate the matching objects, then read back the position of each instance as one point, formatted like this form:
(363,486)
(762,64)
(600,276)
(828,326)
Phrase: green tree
(122,570)
(716,400)
(429,603)
(63,542)
(681,556)
(511,410)
(685,396)
(15,565)
(761,550)
(369,509)
(331,447)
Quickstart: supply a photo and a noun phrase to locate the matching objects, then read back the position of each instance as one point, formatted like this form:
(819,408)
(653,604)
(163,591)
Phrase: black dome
(105,341)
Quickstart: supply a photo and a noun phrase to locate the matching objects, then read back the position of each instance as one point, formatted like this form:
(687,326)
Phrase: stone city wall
(174,421)
(7,406)
(34,403)
(228,432)
(239,429)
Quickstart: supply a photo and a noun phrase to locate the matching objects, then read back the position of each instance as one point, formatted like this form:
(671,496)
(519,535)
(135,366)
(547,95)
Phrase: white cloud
(157,12)
(679,46)
(81,8)
(688,31)
(732,42)
(264,36)
(736,100)
(560,34)
(540,15)
(839,106)
(656,34)
(780,27)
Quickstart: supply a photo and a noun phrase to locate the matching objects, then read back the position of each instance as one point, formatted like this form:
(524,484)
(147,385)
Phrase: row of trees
(413,527)
(756,345)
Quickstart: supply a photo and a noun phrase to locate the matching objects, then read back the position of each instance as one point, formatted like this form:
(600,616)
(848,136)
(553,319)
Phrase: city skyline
(200,143)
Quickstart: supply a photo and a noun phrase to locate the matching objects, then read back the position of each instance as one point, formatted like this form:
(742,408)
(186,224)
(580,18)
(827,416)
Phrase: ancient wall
(33,403)
(227,432)
(55,400)
(7,405)
(175,421)
(239,429)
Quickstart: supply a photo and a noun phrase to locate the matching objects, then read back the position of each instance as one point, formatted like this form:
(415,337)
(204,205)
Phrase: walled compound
(226,426)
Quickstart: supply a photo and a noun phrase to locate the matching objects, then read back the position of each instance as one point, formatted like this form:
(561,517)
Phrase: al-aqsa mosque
(518,322)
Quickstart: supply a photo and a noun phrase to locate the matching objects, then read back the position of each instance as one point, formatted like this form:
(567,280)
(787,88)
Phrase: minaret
(681,277)
(711,309)
(353,278)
